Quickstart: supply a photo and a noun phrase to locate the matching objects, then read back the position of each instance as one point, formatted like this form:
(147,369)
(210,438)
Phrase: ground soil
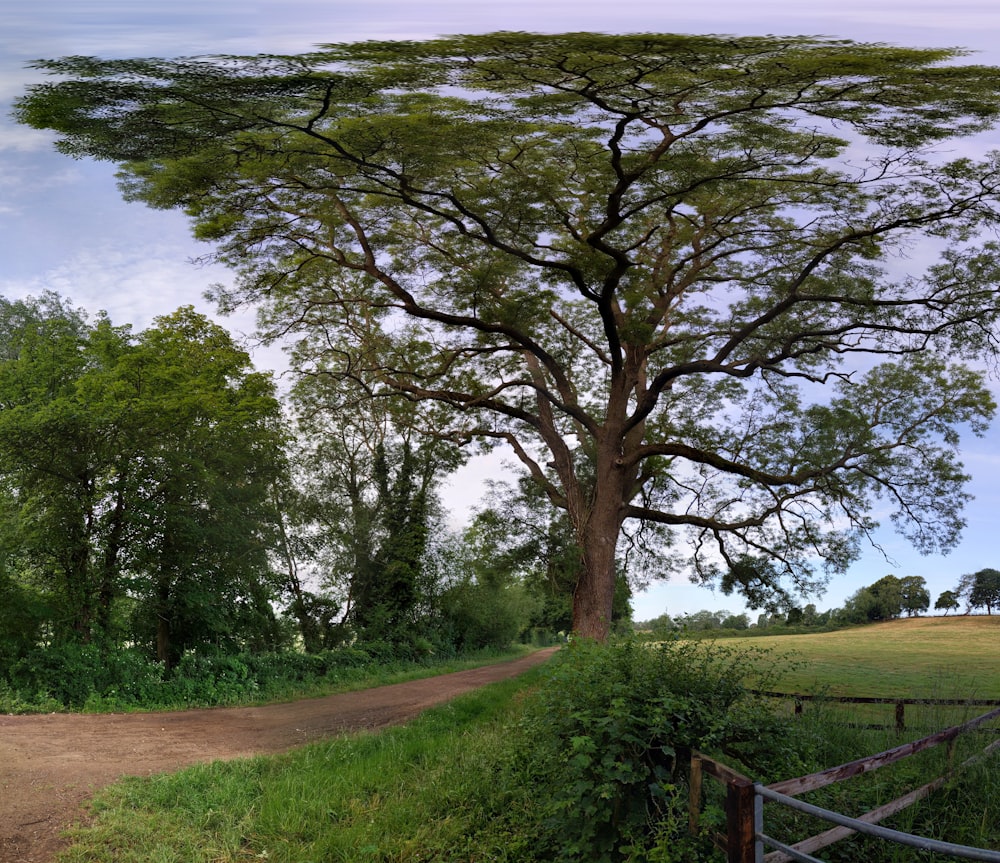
(51,765)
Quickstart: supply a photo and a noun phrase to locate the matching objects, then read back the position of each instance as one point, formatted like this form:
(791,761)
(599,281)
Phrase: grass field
(922,657)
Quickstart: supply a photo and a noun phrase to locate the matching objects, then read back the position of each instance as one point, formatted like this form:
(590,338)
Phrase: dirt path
(50,765)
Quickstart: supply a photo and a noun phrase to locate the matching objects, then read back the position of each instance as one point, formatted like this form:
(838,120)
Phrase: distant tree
(888,596)
(795,616)
(985,591)
(964,589)
(913,594)
(736,621)
(704,620)
(948,600)
(879,601)
(658,625)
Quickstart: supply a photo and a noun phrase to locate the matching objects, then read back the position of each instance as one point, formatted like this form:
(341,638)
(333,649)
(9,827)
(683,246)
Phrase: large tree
(210,452)
(985,592)
(135,472)
(672,273)
(65,455)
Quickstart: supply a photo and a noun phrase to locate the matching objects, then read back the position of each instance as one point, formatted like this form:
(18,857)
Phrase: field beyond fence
(920,658)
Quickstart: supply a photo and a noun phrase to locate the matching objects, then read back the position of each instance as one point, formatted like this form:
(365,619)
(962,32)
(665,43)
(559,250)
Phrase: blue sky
(64,227)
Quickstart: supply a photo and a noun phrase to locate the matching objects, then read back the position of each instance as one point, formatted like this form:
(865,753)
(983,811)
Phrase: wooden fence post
(694,801)
(740,828)
(900,717)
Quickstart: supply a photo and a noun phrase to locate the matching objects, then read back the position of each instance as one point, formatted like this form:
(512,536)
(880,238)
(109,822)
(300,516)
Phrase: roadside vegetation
(583,760)
(92,681)
(171,534)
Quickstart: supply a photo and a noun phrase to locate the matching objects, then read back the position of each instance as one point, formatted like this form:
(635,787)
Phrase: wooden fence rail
(744,839)
(900,703)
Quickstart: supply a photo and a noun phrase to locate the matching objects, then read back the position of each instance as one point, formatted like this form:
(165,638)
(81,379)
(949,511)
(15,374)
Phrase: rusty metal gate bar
(966,852)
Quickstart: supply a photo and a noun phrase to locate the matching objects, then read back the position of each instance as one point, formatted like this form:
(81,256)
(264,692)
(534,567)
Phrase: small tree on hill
(948,601)
(985,591)
(914,596)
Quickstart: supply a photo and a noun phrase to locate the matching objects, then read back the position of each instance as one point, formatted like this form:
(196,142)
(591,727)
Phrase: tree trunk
(109,567)
(594,596)
(163,645)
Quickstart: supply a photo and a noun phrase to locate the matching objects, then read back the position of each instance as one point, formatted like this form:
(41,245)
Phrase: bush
(608,739)
(72,674)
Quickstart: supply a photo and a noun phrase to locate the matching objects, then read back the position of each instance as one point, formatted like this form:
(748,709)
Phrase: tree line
(156,493)
(886,599)
(890,597)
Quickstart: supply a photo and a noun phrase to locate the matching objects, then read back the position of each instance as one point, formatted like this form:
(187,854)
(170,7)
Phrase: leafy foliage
(609,736)
(517,532)
(99,678)
(914,596)
(361,514)
(651,265)
(948,600)
(985,592)
(134,481)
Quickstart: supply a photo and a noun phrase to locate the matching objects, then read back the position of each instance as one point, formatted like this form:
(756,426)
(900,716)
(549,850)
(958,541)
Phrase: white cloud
(137,284)
(23,139)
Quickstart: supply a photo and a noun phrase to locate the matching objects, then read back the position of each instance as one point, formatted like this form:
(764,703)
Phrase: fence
(900,704)
(744,839)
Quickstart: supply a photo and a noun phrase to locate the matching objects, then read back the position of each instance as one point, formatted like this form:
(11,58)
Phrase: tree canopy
(135,476)
(671,273)
(985,591)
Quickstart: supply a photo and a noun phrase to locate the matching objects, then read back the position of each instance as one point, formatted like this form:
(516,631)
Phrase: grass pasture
(920,657)
(934,658)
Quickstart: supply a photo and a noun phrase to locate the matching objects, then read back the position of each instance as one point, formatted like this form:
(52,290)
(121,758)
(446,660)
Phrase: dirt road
(50,765)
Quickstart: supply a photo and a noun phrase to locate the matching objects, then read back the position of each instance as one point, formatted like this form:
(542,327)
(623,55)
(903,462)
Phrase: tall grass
(965,811)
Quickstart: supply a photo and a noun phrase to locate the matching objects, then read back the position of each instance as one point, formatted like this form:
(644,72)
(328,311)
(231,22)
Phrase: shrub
(608,738)
(71,674)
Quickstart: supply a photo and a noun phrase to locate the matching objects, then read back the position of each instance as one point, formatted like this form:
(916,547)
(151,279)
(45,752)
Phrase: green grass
(432,790)
(925,657)
(410,793)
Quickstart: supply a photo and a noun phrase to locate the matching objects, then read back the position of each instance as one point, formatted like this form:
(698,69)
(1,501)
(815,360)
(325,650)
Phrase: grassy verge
(413,793)
(469,781)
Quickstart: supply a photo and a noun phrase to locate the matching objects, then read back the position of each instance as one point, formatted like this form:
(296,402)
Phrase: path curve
(50,765)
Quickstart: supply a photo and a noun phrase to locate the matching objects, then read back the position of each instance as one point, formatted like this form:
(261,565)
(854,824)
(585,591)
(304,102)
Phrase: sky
(64,227)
